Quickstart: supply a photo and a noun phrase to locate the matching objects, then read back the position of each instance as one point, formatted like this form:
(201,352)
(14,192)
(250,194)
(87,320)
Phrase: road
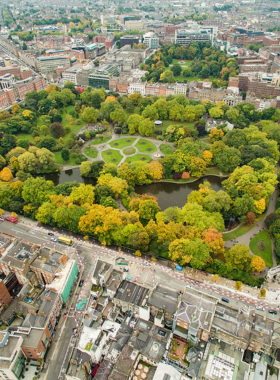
(145,273)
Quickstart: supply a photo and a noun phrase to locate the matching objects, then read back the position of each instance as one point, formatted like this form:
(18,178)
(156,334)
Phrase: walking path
(105,146)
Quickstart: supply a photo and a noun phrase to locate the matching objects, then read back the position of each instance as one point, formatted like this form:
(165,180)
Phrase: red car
(11,219)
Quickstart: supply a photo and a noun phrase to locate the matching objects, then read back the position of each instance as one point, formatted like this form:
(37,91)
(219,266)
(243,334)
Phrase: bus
(11,219)
(65,240)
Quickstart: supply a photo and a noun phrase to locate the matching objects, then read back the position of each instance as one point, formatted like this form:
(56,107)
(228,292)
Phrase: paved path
(105,146)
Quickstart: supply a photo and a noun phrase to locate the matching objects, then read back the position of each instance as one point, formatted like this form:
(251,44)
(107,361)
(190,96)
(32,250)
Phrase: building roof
(235,322)
(131,293)
(149,339)
(166,372)
(262,329)
(47,260)
(164,298)
(18,255)
(124,364)
(100,269)
(198,310)
(8,343)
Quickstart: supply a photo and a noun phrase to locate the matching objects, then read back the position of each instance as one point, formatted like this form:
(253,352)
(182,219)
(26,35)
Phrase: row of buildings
(175,334)
(35,284)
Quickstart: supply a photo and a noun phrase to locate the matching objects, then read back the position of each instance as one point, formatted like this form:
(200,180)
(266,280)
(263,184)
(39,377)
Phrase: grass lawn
(100,140)
(25,136)
(138,157)
(145,146)
(112,156)
(60,161)
(181,62)
(166,149)
(129,151)
(241,230)
(91,152)
(122,143)
(213,171)
(266,255)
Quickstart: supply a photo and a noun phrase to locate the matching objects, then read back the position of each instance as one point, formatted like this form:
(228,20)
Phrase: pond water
(168,194)
(175,194)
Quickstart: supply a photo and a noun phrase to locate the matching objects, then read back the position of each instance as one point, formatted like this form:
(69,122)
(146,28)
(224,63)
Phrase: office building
(185,37)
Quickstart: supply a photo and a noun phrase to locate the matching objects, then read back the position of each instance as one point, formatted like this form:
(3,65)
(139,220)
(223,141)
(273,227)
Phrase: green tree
(176,69)
(57,130)
(228,159)
(37,190)
(216,112)
(90,115)
(65,154)
(167,77)
(239,257)
(193,252)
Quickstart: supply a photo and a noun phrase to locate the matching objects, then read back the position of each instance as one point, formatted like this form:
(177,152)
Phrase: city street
(140,270)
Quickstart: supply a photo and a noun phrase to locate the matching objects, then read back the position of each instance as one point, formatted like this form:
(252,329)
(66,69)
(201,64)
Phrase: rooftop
(48,260)
(197,309)
(262,329)
(19,255)
(164,298)
(131,293)
(124,364)
(8,344)
(149,339)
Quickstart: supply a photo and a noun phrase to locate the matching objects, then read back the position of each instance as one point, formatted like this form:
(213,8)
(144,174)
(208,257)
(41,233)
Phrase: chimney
(47,298)
(41,313)
(128,292)
(264,318)
(261,334)
(63,260)
(136,333)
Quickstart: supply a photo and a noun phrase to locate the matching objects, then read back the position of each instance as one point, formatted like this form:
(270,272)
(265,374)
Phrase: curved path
(105,146)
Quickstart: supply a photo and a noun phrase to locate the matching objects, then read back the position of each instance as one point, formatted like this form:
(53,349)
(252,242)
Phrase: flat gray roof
(131,293)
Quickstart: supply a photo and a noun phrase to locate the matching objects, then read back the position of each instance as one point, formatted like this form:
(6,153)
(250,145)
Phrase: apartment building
(38,329)
(51,63)
(151,40)
(11,357)
(194,318)
(5,297)
(185,37)
(17,259)
(46,264)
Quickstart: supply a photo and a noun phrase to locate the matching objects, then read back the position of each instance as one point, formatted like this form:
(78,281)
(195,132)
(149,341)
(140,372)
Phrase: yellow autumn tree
(238,285)
(260,206)
(110,99)
(207,156)
(27,114)
(215,135)
(257,264)
(6,175)
(262,292)
(15,109)
(156,170)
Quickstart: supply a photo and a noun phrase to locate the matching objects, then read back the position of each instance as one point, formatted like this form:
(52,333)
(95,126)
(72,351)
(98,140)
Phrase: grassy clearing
(24,136)
(215,171)
(100,140)
(122,143)
(166,149)
(139,157)
(146,146)
(112,156)
(266,254)
(59,160)
(91,152)
(129,151)
(241,230)
(181,62)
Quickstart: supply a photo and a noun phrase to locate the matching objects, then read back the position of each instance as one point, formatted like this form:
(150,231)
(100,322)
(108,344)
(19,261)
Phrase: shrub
(177,176)
(158,132)
(185,175)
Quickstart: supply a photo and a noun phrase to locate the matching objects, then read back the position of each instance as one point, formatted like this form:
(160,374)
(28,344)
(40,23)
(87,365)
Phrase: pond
(175,194)
(168,194)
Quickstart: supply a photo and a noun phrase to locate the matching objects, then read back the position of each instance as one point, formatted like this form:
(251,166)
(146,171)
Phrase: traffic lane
(34,235)
(165,277)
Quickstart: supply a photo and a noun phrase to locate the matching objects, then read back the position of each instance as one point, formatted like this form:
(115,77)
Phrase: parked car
(2,220)
(225,300)
(53,239)
(271,311)
(81,283)
(260,308)
(50,234)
